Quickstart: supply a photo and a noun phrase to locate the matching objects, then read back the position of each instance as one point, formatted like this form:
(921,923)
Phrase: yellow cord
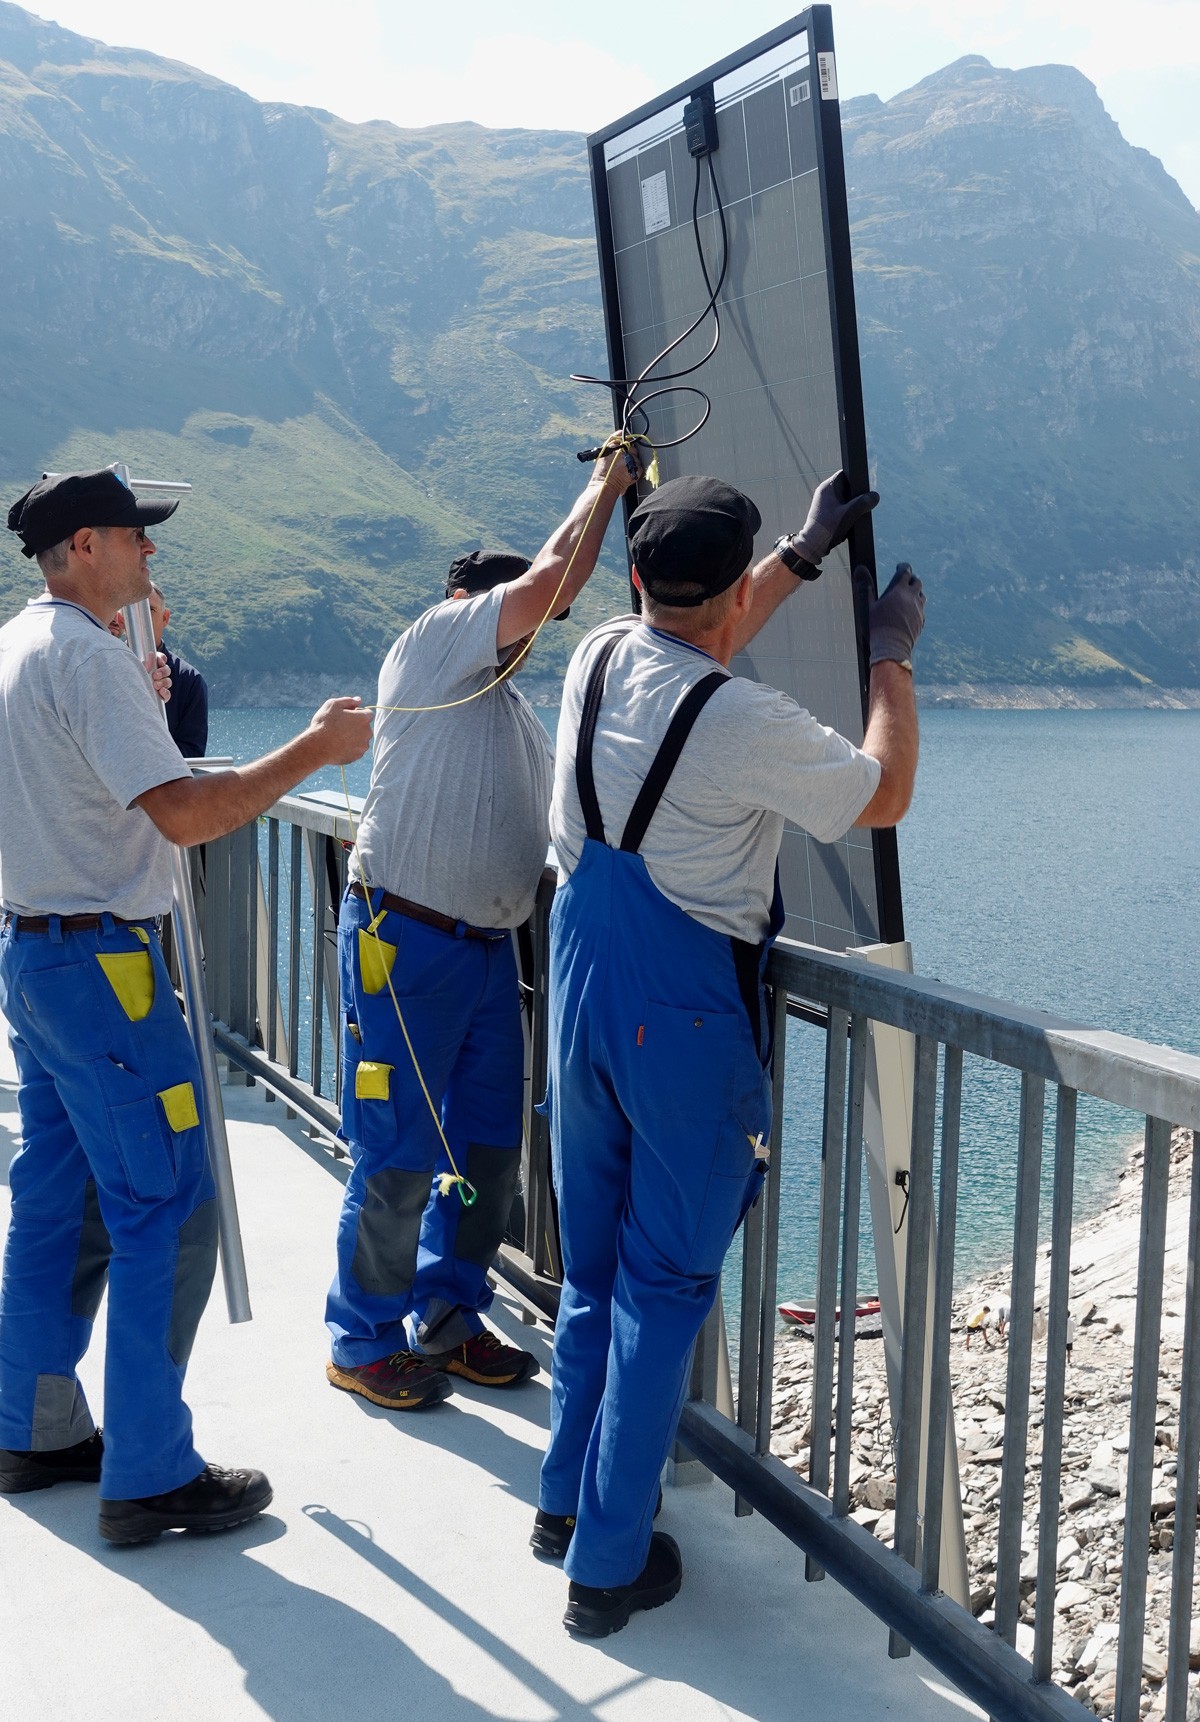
(446,1181)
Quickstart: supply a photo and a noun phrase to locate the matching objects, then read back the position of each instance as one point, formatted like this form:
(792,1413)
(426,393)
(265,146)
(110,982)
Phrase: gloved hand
(896,617)
(834,512)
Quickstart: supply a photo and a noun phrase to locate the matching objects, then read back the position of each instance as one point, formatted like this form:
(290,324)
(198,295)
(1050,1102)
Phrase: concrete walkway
(392,1578)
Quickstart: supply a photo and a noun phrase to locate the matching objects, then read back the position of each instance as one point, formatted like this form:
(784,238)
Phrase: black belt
(418,912)
(68,923)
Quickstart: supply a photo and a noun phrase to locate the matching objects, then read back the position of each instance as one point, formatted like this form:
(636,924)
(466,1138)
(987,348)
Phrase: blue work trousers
(658,1099)
(111,1181)
(411,1263)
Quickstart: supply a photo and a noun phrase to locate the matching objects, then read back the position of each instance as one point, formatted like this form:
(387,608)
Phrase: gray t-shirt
(754,760)
(81,737)
(456,816)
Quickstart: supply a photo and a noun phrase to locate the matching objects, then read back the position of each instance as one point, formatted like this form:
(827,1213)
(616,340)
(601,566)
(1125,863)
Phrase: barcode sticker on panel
(656,205)
(827,67)
(798,93)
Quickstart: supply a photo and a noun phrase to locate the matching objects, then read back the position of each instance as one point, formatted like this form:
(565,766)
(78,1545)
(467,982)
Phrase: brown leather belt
(431,917)
(68,923)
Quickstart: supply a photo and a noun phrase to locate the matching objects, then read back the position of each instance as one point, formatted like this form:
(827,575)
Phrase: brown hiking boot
(486,1359)
(405,1381)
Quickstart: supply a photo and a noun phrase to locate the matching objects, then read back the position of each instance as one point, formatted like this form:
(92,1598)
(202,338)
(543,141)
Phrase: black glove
(895,619)
(831,517)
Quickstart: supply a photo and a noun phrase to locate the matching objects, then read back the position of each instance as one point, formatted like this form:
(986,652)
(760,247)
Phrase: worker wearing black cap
(451,846)
(111,1180)
(673,783)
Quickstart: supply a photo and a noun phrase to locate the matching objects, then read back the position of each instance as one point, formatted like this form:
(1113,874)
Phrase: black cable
(636,403)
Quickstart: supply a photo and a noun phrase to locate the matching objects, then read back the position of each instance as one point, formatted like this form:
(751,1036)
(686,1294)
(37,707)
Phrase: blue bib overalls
(111,1181)
(659,1100)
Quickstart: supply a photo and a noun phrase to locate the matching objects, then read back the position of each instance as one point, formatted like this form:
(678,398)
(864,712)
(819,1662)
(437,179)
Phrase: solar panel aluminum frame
(817,25)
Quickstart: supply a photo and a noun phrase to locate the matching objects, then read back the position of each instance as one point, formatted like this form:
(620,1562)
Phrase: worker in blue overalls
(673,782)
(449,852)
(111,1181)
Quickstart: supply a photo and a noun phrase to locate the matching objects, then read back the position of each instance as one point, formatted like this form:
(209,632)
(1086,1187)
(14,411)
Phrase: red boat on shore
(805,1315)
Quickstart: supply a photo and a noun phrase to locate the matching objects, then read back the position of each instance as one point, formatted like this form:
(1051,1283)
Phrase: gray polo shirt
(754,760)
(456,815)
(81,737)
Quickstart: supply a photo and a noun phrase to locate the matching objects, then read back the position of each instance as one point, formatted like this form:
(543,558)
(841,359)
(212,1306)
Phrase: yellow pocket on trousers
(130,974)
(179,1104)
(375,959)
(372,1081)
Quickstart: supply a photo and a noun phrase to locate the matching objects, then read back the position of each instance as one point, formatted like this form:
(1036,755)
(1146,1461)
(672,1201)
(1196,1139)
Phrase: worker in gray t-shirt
(112,1179)
(673,782)
(451,846)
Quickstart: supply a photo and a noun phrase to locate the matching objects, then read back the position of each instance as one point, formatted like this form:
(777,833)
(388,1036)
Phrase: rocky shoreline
(1095,1442)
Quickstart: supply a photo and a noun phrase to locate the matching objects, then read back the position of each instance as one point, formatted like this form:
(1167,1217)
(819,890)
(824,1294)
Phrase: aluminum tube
(272,938)
(1156,1170)
(943,1299)
(833,1129)
(766,1346)
(140,629)
(1184,1552)
(1050,1509)
(916,1302)
(1020,1349)
(294,937)
(851,1210)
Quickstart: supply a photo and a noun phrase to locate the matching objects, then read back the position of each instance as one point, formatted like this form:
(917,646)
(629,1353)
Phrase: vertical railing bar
(272,939)
(766,1332)
(832,1135)
(916,1297)
(943,1302)
(253,878)
(317,856)
(294,936)
(1020,1351)
(750,1329)
(1187,1465)
(1049,1513)
(1156,1172)
(851,1214)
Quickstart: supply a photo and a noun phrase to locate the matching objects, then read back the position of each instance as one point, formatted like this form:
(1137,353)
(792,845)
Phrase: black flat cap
(694,532)
(57,507)
(480,570)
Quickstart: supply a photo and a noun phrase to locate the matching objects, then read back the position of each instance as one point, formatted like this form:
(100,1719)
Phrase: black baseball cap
(57,507)
(692,531)
(480,570)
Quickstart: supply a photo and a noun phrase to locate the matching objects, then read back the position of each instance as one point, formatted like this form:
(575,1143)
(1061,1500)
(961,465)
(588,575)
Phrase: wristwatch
(791,559)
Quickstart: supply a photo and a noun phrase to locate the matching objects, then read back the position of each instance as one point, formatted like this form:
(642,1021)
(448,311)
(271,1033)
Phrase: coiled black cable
(636,402)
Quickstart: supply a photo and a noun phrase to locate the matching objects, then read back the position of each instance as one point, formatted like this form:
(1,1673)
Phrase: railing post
(828,1228)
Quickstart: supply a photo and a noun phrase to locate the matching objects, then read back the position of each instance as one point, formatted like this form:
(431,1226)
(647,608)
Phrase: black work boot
(216,1500)
(41,1469)
(594,1613)
(552,1532)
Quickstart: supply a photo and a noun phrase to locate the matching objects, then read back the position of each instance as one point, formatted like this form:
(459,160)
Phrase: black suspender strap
(585,782)
(666,759)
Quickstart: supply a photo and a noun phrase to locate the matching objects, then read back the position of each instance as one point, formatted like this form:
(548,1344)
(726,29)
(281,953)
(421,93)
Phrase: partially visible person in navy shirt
(187,708)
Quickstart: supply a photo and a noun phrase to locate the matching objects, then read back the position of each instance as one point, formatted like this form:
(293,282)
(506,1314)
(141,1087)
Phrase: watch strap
(798,565)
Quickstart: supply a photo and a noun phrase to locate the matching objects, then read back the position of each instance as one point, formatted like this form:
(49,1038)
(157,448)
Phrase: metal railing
(270,895)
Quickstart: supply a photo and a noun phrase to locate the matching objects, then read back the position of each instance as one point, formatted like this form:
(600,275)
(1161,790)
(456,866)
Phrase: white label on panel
(656,205)
(798,93)
(828,70)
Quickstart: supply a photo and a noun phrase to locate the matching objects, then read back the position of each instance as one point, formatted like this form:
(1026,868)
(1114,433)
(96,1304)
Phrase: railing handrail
(1156,1080)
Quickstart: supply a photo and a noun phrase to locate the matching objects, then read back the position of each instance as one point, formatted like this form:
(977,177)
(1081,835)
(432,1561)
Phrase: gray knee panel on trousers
(389,1226)
(91,1260)
(494,1173)
(194,1269)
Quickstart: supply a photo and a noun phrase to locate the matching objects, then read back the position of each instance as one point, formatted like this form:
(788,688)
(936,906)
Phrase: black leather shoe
(21,1471)
(216,1500)
(593,1613)
(552,1533)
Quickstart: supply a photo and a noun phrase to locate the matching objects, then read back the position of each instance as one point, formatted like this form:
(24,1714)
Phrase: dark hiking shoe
(216,1500)
(405,1381)
(552,1533)
(20,1471)
(593,1613)
(486,1359)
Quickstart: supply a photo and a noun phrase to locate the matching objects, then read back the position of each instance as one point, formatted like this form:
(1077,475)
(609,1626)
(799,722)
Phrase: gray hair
(688,622)
(53,560)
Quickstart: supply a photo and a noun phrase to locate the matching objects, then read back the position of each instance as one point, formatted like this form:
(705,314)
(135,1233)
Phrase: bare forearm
(891,738)
(563,565)
(771,583)
(201,809)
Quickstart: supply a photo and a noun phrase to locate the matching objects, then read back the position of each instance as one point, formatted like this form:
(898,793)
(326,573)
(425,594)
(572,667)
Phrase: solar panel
(784,381)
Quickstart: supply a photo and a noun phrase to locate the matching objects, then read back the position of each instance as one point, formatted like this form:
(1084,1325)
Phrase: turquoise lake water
(1051,859)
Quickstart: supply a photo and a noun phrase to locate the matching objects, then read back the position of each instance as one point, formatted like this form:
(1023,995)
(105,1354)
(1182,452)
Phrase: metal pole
(139,629)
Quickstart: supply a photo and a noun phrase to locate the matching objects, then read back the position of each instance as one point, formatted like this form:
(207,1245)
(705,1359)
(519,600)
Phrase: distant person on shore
(673,785)
(1002,1320)
(112,1180)
(1070,1341)
(449,852)
(978,1324)
(187,704)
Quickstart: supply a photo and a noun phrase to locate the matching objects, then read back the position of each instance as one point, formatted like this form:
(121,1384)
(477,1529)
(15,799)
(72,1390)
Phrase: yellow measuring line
(447,1180)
